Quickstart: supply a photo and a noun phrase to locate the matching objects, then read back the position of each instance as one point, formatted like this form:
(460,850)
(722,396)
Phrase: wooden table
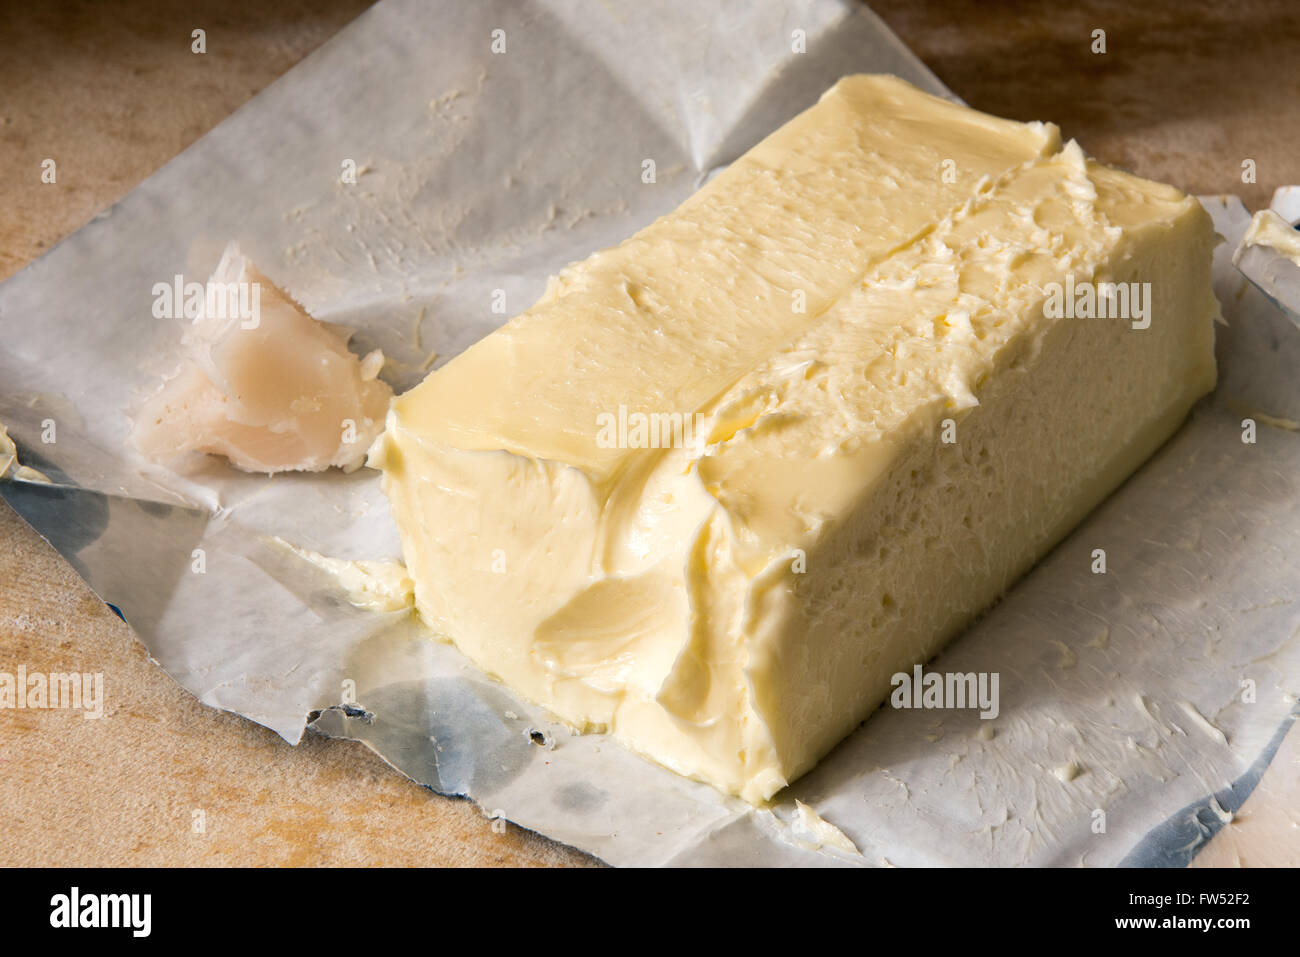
(1184,93)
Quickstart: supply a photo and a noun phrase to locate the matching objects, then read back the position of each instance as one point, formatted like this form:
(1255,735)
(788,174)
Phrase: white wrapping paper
(482,171)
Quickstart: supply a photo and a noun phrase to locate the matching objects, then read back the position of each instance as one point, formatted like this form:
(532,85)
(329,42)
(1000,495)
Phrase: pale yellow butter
(1270,230)
(803,334)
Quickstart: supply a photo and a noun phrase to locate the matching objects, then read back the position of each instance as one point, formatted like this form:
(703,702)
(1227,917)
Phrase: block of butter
(726,479)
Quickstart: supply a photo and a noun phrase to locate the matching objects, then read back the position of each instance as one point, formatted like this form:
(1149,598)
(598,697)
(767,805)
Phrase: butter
(1270,230)
(887,427)
(813,831)
(373,585)
(261,381)
(1269,256)
(11,468)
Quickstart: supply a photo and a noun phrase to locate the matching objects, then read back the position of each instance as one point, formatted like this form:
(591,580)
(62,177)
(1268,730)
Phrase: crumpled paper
(481,171)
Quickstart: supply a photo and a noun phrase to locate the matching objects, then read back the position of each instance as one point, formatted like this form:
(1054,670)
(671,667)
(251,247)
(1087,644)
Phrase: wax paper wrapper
(495,142)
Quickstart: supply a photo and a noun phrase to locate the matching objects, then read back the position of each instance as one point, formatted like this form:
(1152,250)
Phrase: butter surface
(871,274)
(375,585)
(1269,229)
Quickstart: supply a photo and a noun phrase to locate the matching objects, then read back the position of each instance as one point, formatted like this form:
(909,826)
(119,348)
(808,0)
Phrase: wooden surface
(1184,93)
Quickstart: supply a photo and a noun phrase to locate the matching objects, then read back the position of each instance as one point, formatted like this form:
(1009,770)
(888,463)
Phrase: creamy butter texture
(378,586)
(890,429)
(1269,229)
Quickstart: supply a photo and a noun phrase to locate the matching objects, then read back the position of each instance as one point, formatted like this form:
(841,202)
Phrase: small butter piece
(269,388)
(815,832)
(25,473)
(11,468)
(1270,230)
(378,586)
